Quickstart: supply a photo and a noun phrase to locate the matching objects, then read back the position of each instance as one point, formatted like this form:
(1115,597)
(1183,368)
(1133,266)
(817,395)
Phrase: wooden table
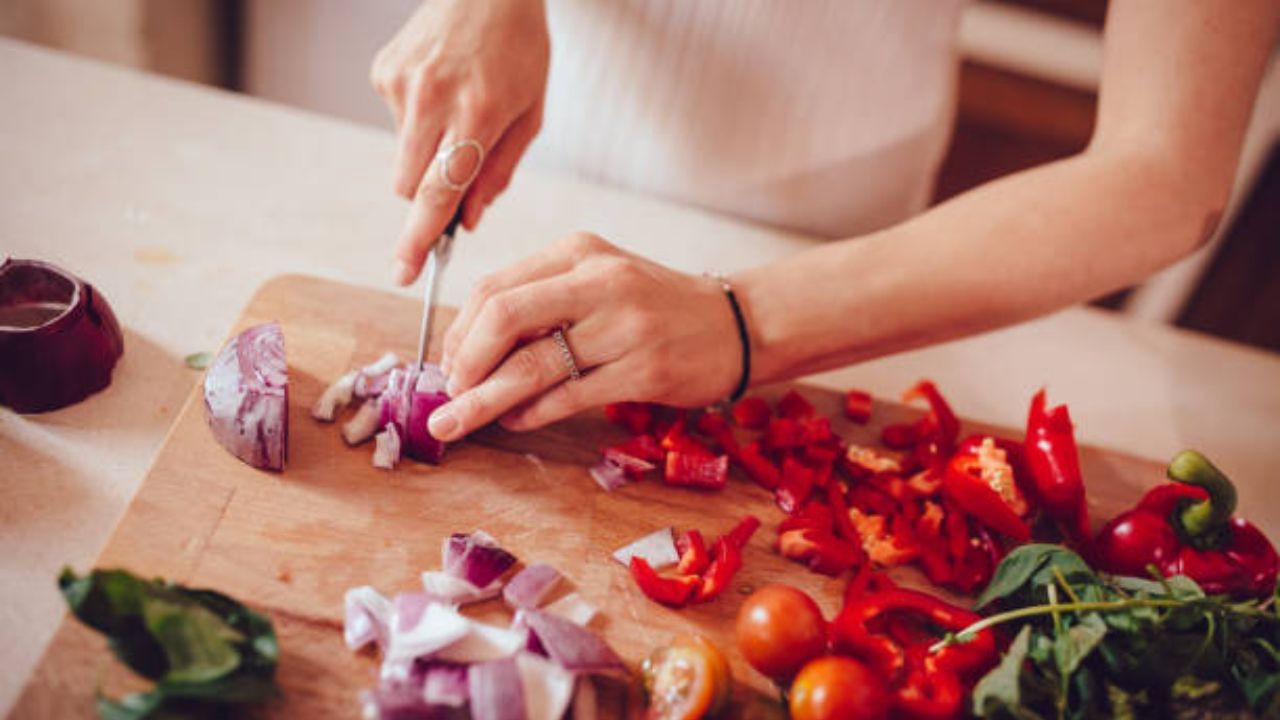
(178,201)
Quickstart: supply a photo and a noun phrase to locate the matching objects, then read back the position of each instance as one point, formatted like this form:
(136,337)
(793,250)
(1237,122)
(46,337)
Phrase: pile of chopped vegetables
(435,660)
(701,574)
(395,403)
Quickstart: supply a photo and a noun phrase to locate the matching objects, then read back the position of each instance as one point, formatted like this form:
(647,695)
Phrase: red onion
(531,586)
(547,687)
(572,646)
(608,475)
(658,548)
(475,557)
(59,340)
(246,397)
(367,615)
(496,691)
(408,401)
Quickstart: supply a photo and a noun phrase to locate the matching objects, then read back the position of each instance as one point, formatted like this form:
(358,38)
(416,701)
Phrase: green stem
(1200,518)
(967,634)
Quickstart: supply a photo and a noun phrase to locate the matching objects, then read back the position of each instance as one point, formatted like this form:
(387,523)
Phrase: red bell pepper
(900,436)
(922,684)
(693,553)
(982,484)
(794,406)
(844,528)
(1054,465)
(726,560)
(784,434)
(672,591)
(752,413)
(636,417)
(821,551)
(696,470)
(758,467)
(1188,528)
(741,533)
(798,481)
(644,447)
(857,406)
(939,425)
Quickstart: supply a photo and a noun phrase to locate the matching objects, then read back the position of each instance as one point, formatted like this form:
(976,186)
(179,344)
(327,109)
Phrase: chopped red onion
(362,425)
(658,548)
(608,475)
(246,397)
(410,398)
(386,451)
(381,366)
(483,643)
(572,646)
(633,465)
(445,684)
(531,586)
(371,380)
(335,396)
(428,691)
(457,591)
(476,558)
(59,339)
(547,687)
(574,608)
(438,627)
(367,616)
(585,704)
(496,691)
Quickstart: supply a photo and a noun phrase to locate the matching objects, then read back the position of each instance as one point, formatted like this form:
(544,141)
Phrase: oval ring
(444,162)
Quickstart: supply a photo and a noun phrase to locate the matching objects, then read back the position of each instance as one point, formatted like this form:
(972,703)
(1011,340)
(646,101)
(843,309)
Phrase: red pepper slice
(674,591)
(843,524)
(964,484)
(1053,461)
(725,563)
(784,434)
(857,406)
(900,436)
(939,424)
(637,417)
(794,406)
(752,413)
(678,439)
(821,551)
(715,426)
(705,472)
(758,467)
(693,553)
(644,447)
(741,533)
(814,515)
(798,481)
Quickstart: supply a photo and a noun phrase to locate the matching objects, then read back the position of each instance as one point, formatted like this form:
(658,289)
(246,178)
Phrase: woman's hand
(460,70)
(637,331)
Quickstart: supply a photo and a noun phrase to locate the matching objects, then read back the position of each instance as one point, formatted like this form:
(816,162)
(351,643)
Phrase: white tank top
(825,116)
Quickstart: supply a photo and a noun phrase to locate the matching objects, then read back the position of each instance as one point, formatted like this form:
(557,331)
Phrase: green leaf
(1030,566)
(134,706)
(110,601)
(198,360)
(1073,646)
(198,643)
(998,690)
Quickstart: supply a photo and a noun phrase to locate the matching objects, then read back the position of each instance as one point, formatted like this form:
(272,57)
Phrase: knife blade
(437,260)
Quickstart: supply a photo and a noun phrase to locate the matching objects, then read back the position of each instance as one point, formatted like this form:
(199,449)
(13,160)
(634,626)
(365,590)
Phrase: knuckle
(480,108)
(525,364)
(582,244)
(502,311)
(487,286)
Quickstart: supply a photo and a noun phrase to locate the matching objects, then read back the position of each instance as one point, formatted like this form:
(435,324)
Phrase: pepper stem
(1197,519)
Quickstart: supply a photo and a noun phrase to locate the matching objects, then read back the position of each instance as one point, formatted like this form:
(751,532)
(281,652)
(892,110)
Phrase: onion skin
(246,397)
(64,360)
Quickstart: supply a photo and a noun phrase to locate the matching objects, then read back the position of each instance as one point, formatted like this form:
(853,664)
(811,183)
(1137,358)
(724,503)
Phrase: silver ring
(444,163)
(567,355)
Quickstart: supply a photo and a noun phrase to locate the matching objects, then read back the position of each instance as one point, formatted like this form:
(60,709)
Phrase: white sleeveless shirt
(825,116)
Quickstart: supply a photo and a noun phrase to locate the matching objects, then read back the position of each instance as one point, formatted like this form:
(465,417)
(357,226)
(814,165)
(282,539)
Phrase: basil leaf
(1073,646)
(998,690)
(1030,566)
(198,360)
(198,643)
(110,601)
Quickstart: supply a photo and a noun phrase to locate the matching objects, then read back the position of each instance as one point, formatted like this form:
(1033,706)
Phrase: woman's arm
(1178,84)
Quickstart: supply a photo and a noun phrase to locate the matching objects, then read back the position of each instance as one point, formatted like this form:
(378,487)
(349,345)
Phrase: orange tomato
(686,680)
(779,629)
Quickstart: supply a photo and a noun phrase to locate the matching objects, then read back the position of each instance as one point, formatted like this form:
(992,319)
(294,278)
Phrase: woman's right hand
(460,70)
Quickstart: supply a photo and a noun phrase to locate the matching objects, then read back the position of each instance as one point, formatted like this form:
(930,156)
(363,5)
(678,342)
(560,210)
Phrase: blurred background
(1028,86)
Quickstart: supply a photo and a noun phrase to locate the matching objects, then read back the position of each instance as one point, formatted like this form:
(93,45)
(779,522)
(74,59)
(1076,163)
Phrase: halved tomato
(686,680)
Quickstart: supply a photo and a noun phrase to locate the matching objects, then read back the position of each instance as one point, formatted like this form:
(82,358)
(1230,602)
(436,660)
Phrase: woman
(465,80)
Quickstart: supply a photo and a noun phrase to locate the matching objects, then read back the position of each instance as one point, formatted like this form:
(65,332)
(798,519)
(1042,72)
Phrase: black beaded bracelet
(743,338)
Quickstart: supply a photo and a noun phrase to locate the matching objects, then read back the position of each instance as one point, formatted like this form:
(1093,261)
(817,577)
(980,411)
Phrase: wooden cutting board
(290,544)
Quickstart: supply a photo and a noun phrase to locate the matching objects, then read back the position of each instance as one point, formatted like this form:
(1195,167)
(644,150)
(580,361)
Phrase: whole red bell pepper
(1188,528)
(924,685)
(1053,461)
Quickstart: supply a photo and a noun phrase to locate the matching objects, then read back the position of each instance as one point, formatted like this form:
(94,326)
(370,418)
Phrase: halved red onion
(246,397)
(572,646)
(496,691)
(386,451)
(59,340)
(608,475)
(547,687)
(366,618)
(574,608)
(408,401)
(363,425)
(531,586)
(475,557)
(658,548)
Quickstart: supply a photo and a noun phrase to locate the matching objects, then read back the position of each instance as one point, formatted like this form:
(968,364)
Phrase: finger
(436,199)
(598,387)
(509,317)
(527,372)
(390,85)
(419,136)
(501,165)
(543,264)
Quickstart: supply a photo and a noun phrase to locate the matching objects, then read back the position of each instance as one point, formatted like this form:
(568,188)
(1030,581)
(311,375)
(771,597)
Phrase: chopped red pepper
(798,481)
(752,413)
(814,515)
(677,439)
(857,406)
(843,524)
(939,424)
(693,553)
(784,434)
(741,533)
(715,426)
(672,591)
(637,417)
(794,406)
(758,467)
(726,560)
(860,462)
(1054,465)
(696,470)
(822,551)
(900,436)
(644,447)
(982,485)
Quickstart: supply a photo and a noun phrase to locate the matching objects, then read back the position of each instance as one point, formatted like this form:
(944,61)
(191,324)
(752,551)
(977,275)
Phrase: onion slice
(658,548)
(246,397)
(547,687)
(475,557)
(608,475)
(496,691)
(366,618)
(386,451)
(455,590)
(571,646)
(59,339)
(362,425)
(335,396)
(408,401)
(531,586)
(574,608)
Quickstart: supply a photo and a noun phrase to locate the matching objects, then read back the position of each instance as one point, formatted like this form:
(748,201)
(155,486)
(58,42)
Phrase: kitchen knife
(437,259)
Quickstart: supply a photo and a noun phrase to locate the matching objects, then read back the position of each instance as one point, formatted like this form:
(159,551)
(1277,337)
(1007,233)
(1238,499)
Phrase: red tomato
(687,680)
(838,688)
(779,630)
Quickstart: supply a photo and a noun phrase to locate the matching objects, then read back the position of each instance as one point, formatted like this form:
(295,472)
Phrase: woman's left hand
(637,331)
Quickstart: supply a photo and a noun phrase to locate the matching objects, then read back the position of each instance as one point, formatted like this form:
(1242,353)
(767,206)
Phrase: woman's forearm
(1008,251)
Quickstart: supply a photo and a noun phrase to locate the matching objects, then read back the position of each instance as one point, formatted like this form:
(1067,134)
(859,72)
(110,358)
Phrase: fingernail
(404,273)
(442,424)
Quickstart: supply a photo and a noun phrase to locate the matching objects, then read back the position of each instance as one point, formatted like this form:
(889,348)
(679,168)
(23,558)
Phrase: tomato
(779,630)
(686,680)
(834,688)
